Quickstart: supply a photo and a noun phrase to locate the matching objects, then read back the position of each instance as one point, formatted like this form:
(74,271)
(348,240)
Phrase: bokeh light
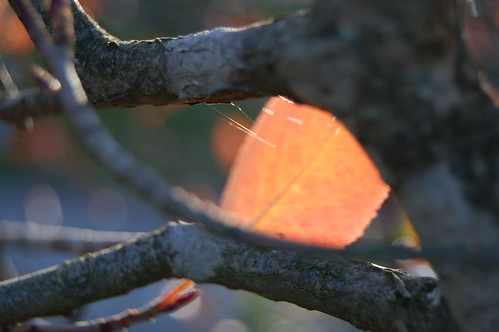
(107,209)
(189,311)
(42,205)
(229,325)
(14,39)
(46,143)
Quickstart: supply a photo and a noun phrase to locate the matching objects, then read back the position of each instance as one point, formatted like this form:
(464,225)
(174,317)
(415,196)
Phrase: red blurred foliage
(47,142)
(15,39)
(226,140)
(230,13)
(92,7)
(482,32)
(152,116)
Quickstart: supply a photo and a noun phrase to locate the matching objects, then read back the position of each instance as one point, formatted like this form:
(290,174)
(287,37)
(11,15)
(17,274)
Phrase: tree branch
(73,239)
(172,300)
(369,296)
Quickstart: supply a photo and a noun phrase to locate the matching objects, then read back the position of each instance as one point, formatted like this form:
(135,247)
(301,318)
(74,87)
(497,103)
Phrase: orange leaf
(303,178)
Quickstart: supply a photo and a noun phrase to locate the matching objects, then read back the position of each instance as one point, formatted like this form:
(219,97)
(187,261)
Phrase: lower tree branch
(369,296)
(173,299)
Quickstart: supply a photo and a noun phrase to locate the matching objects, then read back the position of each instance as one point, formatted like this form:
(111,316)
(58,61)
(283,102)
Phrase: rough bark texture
(395,72)
(369,296)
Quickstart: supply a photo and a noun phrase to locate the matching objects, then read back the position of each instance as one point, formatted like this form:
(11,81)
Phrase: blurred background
(47,178)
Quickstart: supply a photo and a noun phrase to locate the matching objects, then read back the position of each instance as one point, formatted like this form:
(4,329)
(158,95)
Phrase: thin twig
(65,238)
(6,82)
(11,94)
(7,267)
(82,240)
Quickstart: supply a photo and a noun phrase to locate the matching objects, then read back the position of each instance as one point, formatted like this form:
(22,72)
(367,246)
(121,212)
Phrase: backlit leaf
(304,178)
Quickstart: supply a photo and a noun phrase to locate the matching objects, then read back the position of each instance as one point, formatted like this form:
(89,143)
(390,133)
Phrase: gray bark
(369,296)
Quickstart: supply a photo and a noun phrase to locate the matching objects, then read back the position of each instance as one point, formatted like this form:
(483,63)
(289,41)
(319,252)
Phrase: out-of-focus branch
(369,296)
(65,238)
(11,95)
(131,73)
(6,83)
(7,89)
(83,240)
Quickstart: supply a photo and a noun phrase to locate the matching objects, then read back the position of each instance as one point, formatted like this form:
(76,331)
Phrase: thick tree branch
(173,299)
(369,296)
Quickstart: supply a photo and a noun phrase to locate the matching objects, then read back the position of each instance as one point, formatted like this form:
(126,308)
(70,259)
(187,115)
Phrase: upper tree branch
(388,70)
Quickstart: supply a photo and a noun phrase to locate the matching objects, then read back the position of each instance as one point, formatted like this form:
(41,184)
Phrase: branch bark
(369,296)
